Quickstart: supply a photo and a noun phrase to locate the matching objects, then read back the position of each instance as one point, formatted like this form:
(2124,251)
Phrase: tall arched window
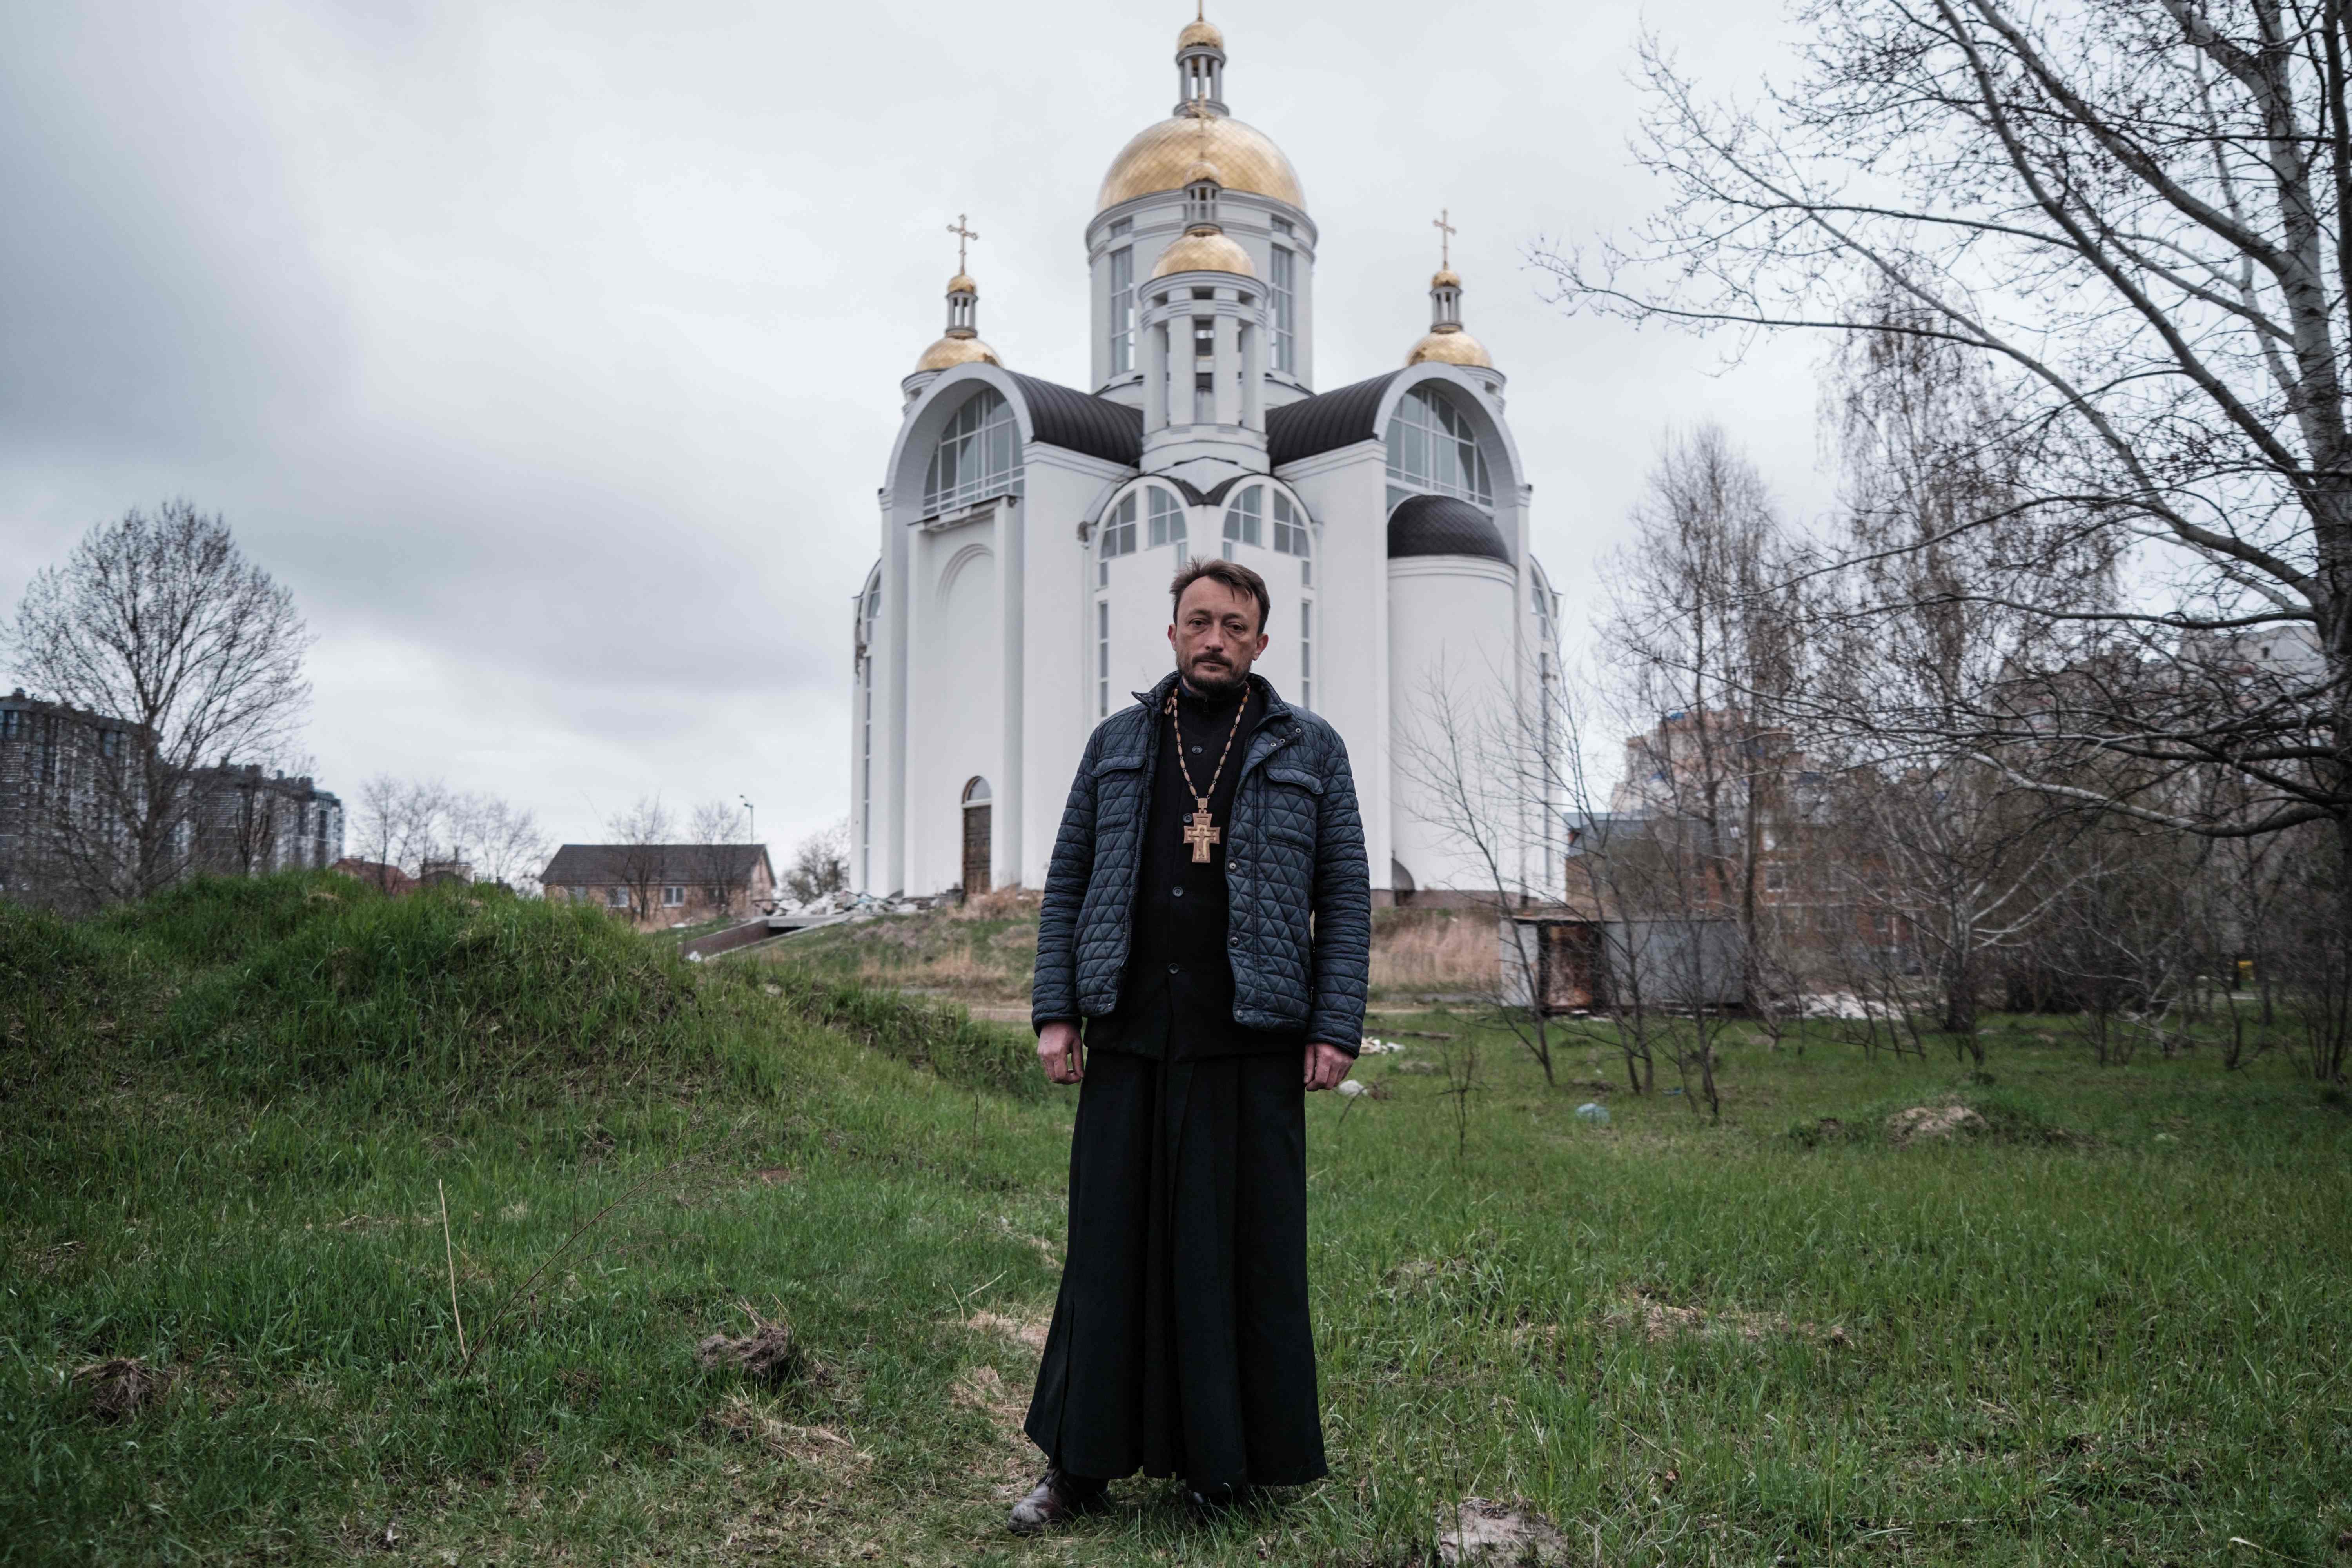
(1115,537)
(1166,522)
(978,456)
(1433,449)
(1246,519)
(1290,537)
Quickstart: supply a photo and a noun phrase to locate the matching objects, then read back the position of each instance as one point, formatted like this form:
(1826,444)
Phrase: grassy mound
(466,990)
(318,983)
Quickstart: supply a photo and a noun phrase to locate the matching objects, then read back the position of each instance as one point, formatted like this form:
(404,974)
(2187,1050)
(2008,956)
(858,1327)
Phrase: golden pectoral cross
(1201,832)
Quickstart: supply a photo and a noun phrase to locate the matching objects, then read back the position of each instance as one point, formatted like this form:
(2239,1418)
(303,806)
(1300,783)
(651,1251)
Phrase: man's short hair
(1232,573)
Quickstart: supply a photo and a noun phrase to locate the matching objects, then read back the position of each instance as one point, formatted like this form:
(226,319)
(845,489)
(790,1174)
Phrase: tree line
(2052,711)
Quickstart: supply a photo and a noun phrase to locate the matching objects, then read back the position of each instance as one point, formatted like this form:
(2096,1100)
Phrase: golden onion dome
(1156,160)
(949,352)
(1202,169)
(1450,346)
(1200,32)
(961,283)
(1445,277)
(1209,250)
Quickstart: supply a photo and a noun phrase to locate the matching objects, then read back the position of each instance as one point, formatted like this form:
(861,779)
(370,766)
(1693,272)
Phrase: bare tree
(502,842)
(722,861)
(641,836)
(163,622)
(1953,605)
(820,867)
(1702,630)
(1708,648)
(2139,213)
(401,823)
(1475,783)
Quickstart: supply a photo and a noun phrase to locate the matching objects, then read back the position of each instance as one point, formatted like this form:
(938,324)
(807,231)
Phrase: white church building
(1029,532)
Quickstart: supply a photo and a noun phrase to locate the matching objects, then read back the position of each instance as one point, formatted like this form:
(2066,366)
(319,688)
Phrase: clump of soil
(1925,1121)
(123,1386)
(1483,1531)
(767,1355)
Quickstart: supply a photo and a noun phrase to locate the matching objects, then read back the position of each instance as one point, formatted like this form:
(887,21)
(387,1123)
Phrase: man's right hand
(1063,1057)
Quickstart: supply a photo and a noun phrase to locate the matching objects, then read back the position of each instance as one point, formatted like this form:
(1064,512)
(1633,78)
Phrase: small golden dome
(961,283)
(1200,252)
(1202,32)
(1445,277)
(1247,160)
(1450,346)
(949,352)
(1202,169)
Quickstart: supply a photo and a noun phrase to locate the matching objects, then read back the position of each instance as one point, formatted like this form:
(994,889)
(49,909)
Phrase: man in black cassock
(1206,924)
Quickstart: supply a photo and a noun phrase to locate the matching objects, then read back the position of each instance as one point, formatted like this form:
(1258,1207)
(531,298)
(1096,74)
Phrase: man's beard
(1214,679)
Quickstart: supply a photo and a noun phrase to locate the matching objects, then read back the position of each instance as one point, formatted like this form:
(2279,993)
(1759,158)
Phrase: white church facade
(1029,532)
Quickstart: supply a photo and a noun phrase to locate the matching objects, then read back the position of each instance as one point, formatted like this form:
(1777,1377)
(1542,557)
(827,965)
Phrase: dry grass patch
(1661,1323)
(1432,949)
(743,1418)
(1030,1331)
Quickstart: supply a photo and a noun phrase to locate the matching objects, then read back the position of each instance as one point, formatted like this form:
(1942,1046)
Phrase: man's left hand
(1326,1066)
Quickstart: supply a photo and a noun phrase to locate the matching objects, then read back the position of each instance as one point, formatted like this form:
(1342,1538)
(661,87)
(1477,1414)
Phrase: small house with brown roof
(660,885)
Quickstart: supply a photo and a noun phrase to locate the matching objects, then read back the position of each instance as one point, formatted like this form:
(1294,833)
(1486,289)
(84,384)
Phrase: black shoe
(1055,1499)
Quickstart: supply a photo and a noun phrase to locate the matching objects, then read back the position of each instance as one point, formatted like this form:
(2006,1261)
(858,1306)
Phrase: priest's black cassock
(1181,1344)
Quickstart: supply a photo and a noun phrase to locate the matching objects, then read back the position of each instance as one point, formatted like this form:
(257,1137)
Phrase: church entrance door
(977,823)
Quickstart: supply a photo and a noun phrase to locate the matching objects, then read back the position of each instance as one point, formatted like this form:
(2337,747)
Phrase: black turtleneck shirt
(1176,997)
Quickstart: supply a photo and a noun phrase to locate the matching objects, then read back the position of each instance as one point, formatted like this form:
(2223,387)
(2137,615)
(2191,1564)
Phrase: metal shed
(1579,963)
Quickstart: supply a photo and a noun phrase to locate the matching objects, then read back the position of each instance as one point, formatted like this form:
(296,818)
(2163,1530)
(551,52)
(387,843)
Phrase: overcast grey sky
(551,353)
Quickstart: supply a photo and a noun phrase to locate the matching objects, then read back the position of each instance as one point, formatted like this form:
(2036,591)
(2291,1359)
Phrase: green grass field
(2110,1328)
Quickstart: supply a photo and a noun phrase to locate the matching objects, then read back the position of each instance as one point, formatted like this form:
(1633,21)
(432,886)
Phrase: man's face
(1215,635)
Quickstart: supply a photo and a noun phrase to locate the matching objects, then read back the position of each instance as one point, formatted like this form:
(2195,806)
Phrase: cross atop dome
(964,234)
(1445,341)
(960,343)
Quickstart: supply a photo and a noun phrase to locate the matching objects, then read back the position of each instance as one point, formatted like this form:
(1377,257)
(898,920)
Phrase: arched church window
(1433,448)
(1245,520)
(978,455)
(1118,537)
(1290,537)
(1166,524)
(975,791)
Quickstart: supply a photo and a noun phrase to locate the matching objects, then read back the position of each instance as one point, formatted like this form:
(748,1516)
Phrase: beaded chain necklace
(1202,830)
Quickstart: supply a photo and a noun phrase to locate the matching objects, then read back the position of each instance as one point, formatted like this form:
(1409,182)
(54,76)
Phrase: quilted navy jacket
(1301,922)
